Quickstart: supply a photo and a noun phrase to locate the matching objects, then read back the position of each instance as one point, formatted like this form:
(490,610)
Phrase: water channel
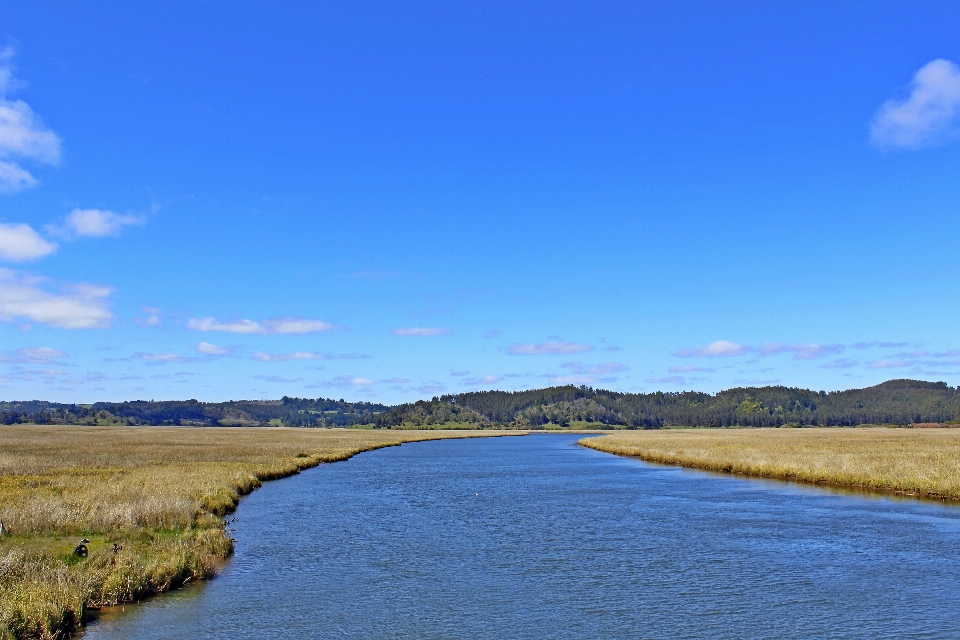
(535,537)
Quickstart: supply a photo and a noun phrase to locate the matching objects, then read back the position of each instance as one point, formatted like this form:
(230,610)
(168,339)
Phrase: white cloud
(718,348)
(22,135)
(688,369)
(420,331)
(78,306)
(33,355)
(551,347)
(19,242)
(931,113)
(279,357)
(481,381)
(278,325)
(98,223)
(801,351)
(208,349)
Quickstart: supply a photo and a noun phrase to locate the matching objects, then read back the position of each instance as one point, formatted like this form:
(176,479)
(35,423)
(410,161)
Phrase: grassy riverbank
(918,462)
(159,492)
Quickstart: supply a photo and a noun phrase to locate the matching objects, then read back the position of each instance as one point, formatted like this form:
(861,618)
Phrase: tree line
(900,402)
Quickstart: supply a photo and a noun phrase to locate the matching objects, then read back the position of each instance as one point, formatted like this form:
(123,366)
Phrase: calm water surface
(535,537)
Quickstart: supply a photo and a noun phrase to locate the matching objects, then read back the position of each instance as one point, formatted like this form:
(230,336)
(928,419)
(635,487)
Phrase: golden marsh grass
(918,462)
(160,492)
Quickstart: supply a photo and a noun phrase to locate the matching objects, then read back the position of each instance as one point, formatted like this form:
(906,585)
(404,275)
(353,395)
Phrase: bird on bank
(81,549)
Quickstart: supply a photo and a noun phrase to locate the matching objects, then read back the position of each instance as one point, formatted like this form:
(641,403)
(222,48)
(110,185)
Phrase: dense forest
(293,412)
(900,402)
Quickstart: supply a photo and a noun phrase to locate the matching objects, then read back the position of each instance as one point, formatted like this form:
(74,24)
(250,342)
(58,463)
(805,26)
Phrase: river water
(535,537)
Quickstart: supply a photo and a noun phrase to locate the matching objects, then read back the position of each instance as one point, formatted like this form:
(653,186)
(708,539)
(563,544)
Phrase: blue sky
(389,201)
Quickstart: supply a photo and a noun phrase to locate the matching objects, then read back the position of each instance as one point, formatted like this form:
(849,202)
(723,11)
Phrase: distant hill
(901,402)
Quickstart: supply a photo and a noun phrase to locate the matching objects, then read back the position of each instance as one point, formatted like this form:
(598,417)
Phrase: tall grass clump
(158,493)
(916,462)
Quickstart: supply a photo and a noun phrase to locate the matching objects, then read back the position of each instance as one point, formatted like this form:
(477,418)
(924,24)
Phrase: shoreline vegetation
(921,463)
(160,494)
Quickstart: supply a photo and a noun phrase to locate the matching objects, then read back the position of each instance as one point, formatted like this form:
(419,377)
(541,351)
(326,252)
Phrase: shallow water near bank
(537,537)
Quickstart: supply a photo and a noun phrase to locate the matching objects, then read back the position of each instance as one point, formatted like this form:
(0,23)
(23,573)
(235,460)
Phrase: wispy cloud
(718,348)
(481,381)
(668,380)
(601,369)
(892,364)
(297,326)
(277,325)
(801,351)
(493,333)
(276,378)
(840,363)
(49,376)
(94,223)
(929,115)
(280,357)
(922,353)
(346,382)
(78,305)
(22,135)
(152,320)
(33,355)
(162,357)
(689,369)
(396,381)
(876,343)
(305,355)
(20,243)
(420,331)
(561,380)
(208,349)
(551,347)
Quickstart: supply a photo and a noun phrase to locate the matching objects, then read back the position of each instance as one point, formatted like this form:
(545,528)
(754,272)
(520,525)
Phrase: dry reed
(159,492)
(913,462)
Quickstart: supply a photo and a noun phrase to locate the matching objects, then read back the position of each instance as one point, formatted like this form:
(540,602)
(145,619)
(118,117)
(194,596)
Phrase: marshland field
(159,492)
(164,494)
(916,462)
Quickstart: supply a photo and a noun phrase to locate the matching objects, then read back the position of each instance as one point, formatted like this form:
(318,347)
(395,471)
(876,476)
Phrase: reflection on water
(535,537)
